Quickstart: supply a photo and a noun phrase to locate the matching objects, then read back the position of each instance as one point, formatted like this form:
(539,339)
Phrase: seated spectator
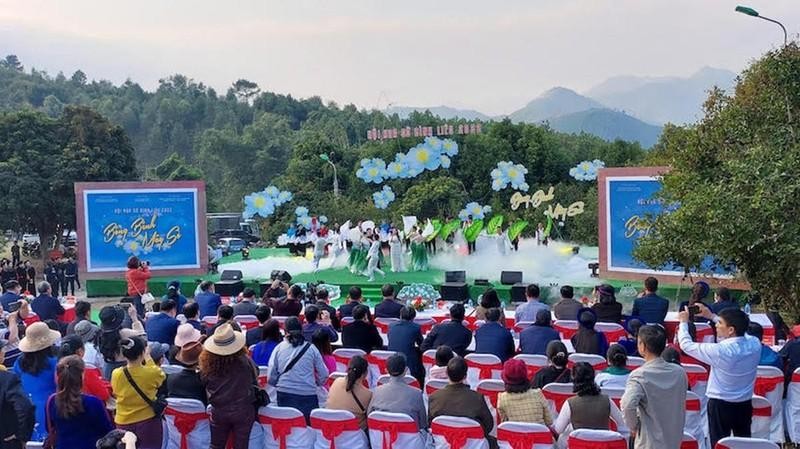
(396,396)
(11,294)
(322,341)
(722,301)
(567,307)
(790,355)
(158,352)
(631,343)
(311,314)
(191,311)
(83,312)
(405,337)
(207,300)
(353,299)
(493,337)
(607,309)
(93,383)
(186,383)
(650,307)
(616,375)
(527,311)
(247,306)
(389,307)
(589,409)
(671,355)
(700,291)
(534,339)
(17,413)
(89,333)
(451,333)
(361,333)
(768,356)
(457,399)
(443,356)
(556,371)
(253,336)
(489,300)
(520,402)
(225,316)
(587,340)
(186,334)
(45,305)
(174,293)
(290,305)
(324,304)
(349,393)
(270,338)
(78,420)
(36,369)
(163,326)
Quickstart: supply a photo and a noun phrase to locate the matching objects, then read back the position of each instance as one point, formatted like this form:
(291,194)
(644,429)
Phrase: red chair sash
(485,370)
(567,332)
(185,423)
(795,377)
(615,335)
(766,384)
(341,359)
(456,436)
(532,370)
(704,332)
(390,430)
(429,390)
(690,444)
(693,405)
(379,362)
(523,440)
(282,427)
(491,394)
(332,429)
(694,378)
(383,327)
(558,398)
(575,443)
(763,411)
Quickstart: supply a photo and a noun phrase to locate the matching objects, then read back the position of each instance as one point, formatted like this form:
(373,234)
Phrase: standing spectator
(11,294)
(134,414)
(70,276)
(556,371)
(607,308)
(36,368)
(186,383)
(396,396)
(174,293)
(311,314)
(51,275)
(88,333)
(163,326)
(15,257)
(354,299)
(253,336)
(587,340)
(654,403)
(405,337)
(191,311)
(45,305)
(567,307)
(734,364)
(616,375)
(700,291)
(534,339)
(229,376)
(457,399)
(17,412)
(349,393)
(321,340)
(790,354)
(443,356)
(22,274)
(452,333)
(520,402)
(78,420)
(493,337)
(290,305)
(111,319)
(137,275)
(361,333)
(93,383)
(324,304)
(61,271)
(489,300)
(527,311)
(296,369)
(31,276)
(722,301)
(83,311)
(768,356)
(207,300)
(270,338)
(388,308)
(247,305)
(650,307)
(589,408)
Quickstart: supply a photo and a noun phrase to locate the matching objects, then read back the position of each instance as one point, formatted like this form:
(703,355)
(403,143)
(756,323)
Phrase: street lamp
(753,13)
(327,159)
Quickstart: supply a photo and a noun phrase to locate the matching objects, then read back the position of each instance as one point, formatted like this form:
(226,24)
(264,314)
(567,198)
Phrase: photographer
(290,305)
(137,275)
(276,290)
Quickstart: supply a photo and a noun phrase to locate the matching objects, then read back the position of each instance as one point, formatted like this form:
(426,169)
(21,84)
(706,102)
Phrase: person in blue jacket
(207,300)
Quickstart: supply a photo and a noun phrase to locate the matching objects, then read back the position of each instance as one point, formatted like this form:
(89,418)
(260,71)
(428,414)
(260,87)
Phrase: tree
(733,178)
(245,90)
(78,78)
(174,168)
(12,62)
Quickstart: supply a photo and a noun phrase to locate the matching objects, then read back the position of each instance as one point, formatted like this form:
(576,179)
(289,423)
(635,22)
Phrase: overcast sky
(493,56)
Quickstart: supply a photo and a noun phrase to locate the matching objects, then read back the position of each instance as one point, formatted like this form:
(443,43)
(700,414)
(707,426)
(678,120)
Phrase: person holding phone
(699,292)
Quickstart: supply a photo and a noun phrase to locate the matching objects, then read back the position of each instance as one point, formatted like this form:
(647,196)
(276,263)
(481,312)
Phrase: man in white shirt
(734,364)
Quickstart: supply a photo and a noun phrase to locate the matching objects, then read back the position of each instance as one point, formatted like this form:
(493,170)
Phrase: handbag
(146,297)
(158,405)
(50,441)
(293,362)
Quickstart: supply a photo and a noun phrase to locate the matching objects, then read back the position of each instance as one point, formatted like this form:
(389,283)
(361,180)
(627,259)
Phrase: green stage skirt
(419,257)
(358,259)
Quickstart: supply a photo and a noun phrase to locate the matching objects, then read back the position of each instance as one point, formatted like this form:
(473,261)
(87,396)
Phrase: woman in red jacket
(137,275)
(93,383)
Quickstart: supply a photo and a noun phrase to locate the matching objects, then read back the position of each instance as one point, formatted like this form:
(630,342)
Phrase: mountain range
(626,107)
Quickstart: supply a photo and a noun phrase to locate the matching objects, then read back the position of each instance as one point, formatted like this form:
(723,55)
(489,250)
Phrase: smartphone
(694,310)
(14,306)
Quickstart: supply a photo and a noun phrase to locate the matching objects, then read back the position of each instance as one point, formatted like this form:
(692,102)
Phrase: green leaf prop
(516,229)
(549,226)
(449,228)
(437,228)
(494,224)
(471,233)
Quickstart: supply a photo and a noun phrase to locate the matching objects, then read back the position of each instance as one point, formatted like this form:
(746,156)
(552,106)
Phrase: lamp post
(753,13)
(327,159)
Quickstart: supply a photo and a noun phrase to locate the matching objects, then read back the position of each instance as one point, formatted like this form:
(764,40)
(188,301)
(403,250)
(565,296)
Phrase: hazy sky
(493,56)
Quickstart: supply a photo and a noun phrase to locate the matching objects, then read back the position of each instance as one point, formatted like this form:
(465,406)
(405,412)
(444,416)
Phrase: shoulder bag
(158,405)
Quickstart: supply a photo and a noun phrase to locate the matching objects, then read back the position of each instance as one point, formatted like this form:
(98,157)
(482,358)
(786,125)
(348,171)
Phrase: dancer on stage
(470,244)
(357,253)
(419,255)
(373,257)
(319,250)
(396,251)
(503,244)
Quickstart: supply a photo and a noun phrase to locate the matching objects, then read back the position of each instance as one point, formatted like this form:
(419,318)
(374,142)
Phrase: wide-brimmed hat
(111,317)
(86,330)
(186,334)
(515,372)
(37,337)
(190,353)
(225,341)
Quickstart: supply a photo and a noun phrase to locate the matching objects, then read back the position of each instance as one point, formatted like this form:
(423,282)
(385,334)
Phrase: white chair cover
(762,412)
(342,428)
(246,322)
(706,331)
(698,383)
(187,410)
(745,443)
(566,328)
(375,358)
(482,366)
(534,362)
(598,363)
(343,357)
(556,394)
(428,360)
(611,440)
(431,386)
(510,433)
(774,380)
(276,421)
(695,424)
(614,332)
(382,425)
(490,389)
(464,431)
(634,362)
(792,408)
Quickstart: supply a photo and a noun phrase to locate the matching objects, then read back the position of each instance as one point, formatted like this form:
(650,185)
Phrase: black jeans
(726,417)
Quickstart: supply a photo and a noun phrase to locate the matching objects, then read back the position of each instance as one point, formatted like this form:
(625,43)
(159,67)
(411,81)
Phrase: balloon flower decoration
(508,173)
(382,198)
(432,154)
(303,219)
(265,202)
(586,170)
(474,210)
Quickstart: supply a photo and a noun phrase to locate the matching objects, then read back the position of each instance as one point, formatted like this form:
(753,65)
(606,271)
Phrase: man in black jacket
(354,299)
(451,333)
(388,308)
(71,276)
(16,410)
(323,302)
(361,333)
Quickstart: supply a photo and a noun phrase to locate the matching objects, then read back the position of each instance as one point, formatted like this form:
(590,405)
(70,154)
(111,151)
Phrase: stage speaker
(282,275)
(510,277)
(455,276)
(229,288)
(231,275)
(483,282)
(518,292)
(454,291)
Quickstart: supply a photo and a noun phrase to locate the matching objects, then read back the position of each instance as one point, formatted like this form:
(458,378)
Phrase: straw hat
(37,337)
(186,334)
(225,341)
(189,354)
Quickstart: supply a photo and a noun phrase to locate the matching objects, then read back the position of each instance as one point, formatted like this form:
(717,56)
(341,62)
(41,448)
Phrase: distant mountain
(607,124)
(444,112)
(662,99)
(555,102)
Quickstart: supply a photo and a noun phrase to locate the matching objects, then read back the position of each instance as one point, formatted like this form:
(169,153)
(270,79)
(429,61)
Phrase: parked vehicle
(231,245)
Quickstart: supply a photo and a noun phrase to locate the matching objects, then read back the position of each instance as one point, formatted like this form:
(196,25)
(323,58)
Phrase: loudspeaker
(454,291)
(283,275)
(231,275)
(510,277)
(518,292)
(482,282)
(229,288)
(455,276)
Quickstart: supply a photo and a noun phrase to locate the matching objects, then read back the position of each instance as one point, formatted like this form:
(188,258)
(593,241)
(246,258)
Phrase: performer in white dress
(319,250)
(396,251)
(503,244)
(373,257)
